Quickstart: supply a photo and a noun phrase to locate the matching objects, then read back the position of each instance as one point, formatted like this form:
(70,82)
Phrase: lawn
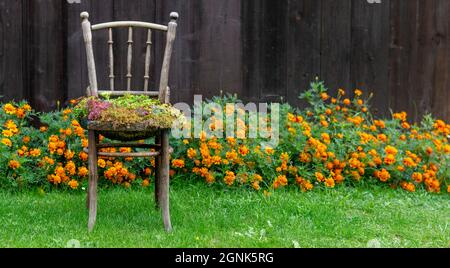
(205,216)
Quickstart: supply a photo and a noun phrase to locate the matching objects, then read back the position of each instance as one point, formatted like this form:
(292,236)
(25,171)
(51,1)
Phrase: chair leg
(93,179)
(158,175)
(165,180)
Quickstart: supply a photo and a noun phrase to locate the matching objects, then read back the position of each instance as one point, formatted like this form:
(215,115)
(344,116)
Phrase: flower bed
(337,141)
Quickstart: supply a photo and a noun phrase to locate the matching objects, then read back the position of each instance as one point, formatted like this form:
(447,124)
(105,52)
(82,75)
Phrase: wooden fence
(264,50)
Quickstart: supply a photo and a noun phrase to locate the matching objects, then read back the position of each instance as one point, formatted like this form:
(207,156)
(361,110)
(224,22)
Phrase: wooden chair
(162,150)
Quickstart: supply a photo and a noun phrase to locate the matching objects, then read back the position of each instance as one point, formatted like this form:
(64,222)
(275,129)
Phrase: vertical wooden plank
(141,10)
(11,49)
(370,51)
(265,49)
(77,80)
(336,43)
(303,51)
(440,40)
(250,48)
(440,105)
(184,78)
(47,55)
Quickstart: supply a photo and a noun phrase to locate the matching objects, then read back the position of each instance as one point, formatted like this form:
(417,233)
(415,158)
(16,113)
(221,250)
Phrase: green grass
(206,216)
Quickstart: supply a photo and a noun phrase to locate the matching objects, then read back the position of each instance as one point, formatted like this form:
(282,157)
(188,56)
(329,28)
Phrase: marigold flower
(7,142)
(20,113)
(324,96)
(9,109)
(73,184)
(329,183)
(390,150)
(178,163)
(26,139)
(83,156)
(347,102)
(229,178)
(7,133)
(35,152)
(358,92)
(26,107)
(145,183)
(83,171)
(14,164)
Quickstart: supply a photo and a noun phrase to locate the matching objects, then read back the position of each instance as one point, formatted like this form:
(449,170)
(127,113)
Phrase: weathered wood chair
(162,150)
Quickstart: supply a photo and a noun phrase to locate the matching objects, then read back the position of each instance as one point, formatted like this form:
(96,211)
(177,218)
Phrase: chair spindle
(130,57)
(147,60)
(111,59)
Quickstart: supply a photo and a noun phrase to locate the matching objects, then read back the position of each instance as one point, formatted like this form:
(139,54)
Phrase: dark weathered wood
(303,51)
(158,174)
(260,49)
(12,76)
(128,145)
(370,35)
(45,36)
(335,62)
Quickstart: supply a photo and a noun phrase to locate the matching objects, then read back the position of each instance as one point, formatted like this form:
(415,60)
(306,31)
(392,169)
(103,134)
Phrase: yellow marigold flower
(329,183)
(7,142)
(256,186)
(83,171)
(269,150)
(73,184)
(14,164)
(178,163)
(341,92)
(9,109)
(358,92)
(7,133)
(391,150)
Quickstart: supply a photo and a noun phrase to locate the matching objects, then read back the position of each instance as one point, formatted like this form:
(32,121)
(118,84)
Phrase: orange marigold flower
(83,171)
(14,164)
(389,159)
(329,183)
(20,113)
(243,150)
(382,175)
(145,183)
(83,156)
(26,107)
(7,133)
(347,102)
(229,178)
(26,139)
(35,152)
(320,177)
(43,129)
(73,184)
(358,92)
(417,177)
(178,163)
(324,96)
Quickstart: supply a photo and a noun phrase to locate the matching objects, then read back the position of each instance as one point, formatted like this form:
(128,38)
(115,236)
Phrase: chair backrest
(164,91)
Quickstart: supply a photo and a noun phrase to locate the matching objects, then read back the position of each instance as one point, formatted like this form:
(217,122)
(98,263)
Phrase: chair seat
(131,132)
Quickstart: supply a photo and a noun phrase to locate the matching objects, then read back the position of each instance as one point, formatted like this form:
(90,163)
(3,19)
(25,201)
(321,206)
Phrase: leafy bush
(336,141)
